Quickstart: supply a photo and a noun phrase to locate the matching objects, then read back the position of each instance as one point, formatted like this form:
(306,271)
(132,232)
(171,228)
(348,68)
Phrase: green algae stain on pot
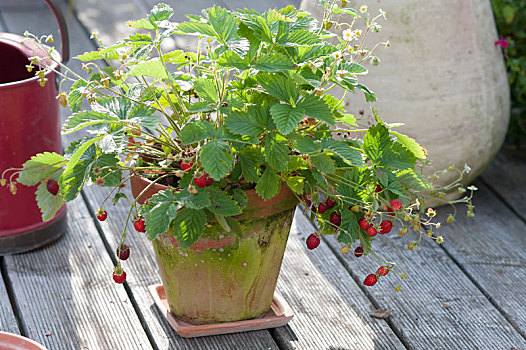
(226,278)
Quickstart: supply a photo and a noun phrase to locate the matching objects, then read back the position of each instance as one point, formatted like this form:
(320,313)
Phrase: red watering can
(29,124)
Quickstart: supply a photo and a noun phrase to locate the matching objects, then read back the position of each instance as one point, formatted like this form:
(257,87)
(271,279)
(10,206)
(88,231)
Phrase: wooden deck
(467,294)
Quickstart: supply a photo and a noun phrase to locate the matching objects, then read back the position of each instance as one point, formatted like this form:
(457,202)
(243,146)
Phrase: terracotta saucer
(279,315)
(10,341)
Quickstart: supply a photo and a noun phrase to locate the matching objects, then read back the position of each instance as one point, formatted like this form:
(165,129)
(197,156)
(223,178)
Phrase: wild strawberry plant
(250,108)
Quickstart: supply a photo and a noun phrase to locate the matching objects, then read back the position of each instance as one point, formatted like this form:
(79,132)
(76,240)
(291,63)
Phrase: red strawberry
(385,227)
(371,231)
(336,218)
(119,276)
(382,271)
(329,202)
(186,166)
(378,188)
(396,205)
(313,208)
(52,187)
(139,225)
(364,224)
(101,214)
(358,252)
(308,203)
(322,208)
(390,211)
(313,241)
(370,280)
(123,251)
(203,181)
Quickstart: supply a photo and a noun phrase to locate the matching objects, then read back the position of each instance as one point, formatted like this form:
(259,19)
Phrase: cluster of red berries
(203,181)
(371,279)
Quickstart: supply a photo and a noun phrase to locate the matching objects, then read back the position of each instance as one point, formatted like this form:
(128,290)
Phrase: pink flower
(502,42)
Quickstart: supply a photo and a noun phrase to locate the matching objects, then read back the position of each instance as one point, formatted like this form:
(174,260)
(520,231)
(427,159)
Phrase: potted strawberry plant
(221,144)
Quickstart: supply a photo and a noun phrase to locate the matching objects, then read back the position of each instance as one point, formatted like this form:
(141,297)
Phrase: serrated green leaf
(78,168)
(196,28)
(277,152)
(160,12)
(347,11)
(274,62)
(244,123)
(217,158)
(49,204)
(142,23)
(235,226)
(259,26)
(311,53)
(279,86)
(316,108)
(250,160)
(410,179)
(126,110)
(203,106)
(188,226)
(354,68)
(349,228)
(105,168)
(295,183)
(286,117)
(230,59)
(269,185)
(239,196)
(302,37)
(40,167)
(410,144)
(348,154)
(223,22)
(348,119)
(197,131)
(199,200)
(384,152)
(223,204)
(117,197)
(323,163)
(153,68)
(159,212)
(84,119)
(376,142)
(206,89)
(304,144)
(296,163)
(369,95)
(74,97)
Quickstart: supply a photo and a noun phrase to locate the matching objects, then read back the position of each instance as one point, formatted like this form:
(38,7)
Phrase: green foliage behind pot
(510,16)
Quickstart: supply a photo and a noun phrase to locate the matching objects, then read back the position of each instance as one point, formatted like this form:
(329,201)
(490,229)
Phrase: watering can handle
(63,29)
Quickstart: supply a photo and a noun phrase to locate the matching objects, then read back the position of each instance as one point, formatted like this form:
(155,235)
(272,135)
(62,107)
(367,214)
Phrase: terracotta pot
(9,341)
(443,77)
(224,277)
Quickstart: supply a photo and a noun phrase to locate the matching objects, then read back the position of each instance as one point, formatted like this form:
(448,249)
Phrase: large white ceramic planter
(443,77)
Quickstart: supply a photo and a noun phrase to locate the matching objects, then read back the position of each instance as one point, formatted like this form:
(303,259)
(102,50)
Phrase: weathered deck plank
(490,249)
(65,294)
(506,176)
(261,5)
(331,312)
(439,307)
(7,316)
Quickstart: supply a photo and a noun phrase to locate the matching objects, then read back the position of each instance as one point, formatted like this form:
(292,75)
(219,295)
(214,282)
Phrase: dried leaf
(48,334)
(381,313)
(446,305)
